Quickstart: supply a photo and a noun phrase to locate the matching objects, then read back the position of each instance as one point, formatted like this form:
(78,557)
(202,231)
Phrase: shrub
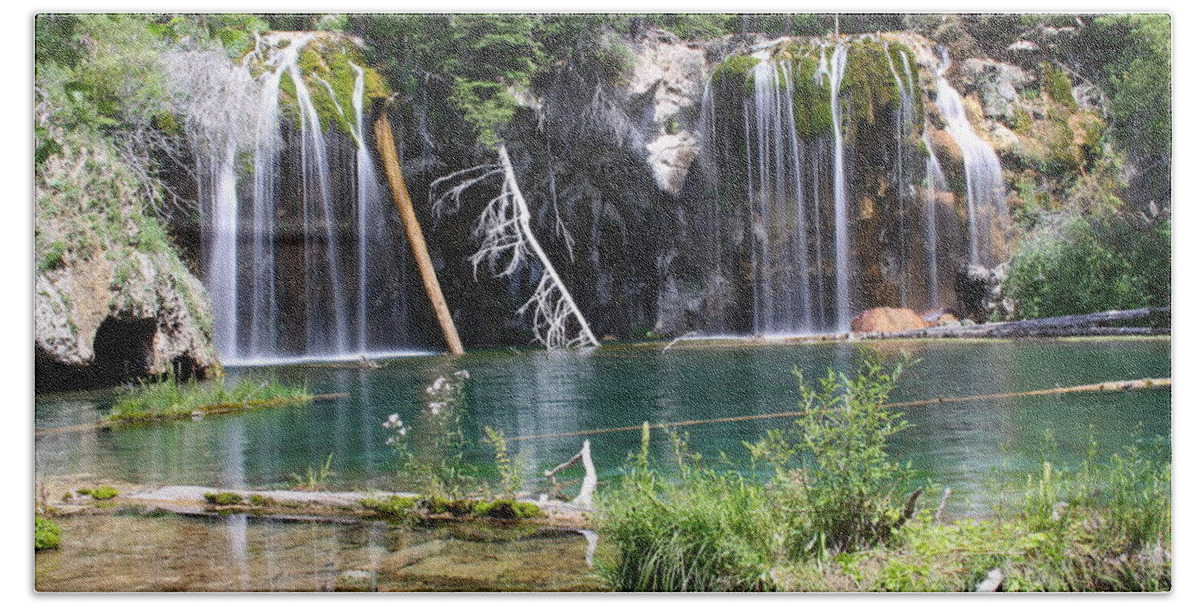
(45,533)
(1073,265)
(509,470)
(833,467)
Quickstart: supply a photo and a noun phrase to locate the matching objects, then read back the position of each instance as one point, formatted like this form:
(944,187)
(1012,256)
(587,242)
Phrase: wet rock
(888,320)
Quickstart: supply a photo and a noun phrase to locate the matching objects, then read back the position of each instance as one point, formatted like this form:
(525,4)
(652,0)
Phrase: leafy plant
(510,471)
(701,531)
(833,466)
(434,461)
(314,479)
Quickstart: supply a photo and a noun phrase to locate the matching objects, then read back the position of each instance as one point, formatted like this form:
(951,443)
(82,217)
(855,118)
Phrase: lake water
(973,447)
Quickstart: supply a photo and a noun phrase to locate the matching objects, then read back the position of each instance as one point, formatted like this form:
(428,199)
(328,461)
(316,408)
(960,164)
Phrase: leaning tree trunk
(391,165)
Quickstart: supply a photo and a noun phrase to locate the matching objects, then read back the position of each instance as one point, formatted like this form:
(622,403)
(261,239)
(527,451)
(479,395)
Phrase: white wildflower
(462,373)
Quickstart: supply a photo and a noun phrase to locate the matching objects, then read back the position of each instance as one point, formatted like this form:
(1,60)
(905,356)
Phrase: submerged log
(391,165)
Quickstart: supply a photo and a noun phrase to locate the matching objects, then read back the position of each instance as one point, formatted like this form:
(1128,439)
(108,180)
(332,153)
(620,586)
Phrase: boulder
(888,320)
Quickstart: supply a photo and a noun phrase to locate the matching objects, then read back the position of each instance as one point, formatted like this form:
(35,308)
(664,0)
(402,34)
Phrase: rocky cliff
(112,299)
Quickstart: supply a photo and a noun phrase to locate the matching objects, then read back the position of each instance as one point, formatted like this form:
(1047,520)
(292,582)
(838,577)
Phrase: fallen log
(1050,327)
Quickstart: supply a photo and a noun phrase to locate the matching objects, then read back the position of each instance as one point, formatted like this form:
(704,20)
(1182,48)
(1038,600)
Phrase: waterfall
(304,259)
(935,182)
(836,69)
(985,182)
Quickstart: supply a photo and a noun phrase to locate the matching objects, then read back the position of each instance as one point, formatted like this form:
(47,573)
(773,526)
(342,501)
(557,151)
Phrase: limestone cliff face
(666,89)
(112,299)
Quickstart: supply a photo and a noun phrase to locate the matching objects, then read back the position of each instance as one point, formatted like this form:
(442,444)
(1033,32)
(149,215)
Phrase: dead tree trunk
(507,240)
(391,165)
(1051,327)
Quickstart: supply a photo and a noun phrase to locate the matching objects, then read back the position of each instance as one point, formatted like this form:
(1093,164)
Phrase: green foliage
(1139,76)
(1057,85)
(433,460)
(696,26)
(834,464)
(223,499)
(314,478)
(510,471)
(172,399)
(1074,265)
(46,533)
(701,531)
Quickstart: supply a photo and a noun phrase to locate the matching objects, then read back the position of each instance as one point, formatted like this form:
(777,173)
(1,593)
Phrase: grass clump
(258,500)
(506,508)
(314,478)
(223,499)
(701,531)
(172,399)
(46,533)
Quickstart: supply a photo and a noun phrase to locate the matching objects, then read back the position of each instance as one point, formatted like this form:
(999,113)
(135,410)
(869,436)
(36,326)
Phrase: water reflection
(965,445)
(237,553)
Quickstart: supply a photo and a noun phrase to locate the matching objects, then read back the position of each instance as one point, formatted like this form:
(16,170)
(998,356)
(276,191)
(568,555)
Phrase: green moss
(1057,85)
(869,82)
(505,508)
(327,67)
(103,493)
(223,499)
(810,99)
(392,506)
(734,72)
(46,534)
(258,500)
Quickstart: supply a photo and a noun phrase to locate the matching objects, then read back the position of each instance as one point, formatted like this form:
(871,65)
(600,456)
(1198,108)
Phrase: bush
(833,467)
(1073,265)
(45,534)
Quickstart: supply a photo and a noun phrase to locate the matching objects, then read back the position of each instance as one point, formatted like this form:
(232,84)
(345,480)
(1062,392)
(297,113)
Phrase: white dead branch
(507,239)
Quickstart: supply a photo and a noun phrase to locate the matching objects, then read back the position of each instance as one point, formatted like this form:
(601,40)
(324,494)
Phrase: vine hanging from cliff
(504,229)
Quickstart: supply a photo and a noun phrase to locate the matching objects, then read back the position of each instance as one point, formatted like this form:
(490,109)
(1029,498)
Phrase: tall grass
(171,398)
(701,530)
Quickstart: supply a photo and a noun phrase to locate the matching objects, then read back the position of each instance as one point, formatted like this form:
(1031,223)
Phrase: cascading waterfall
(838,212)
(293,235)
(985,181)
(935,182)
(835,70)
